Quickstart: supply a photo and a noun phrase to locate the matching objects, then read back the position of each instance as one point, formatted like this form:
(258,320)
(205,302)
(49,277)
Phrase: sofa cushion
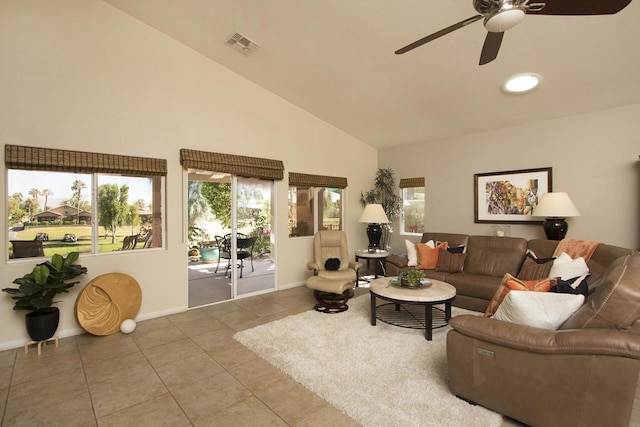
(538,309)
(450,262)
(474,285)
(535,268)
(543,248)
(510,283)
(453,239)
(427,257)
(495,256)
(615,304)
(602,258)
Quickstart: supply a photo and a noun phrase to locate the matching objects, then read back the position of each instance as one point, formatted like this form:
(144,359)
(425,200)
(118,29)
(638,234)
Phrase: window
(304,191)
(67,201)
(413,202)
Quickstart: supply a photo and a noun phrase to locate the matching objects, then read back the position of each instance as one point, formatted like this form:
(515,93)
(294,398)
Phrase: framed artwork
(509,196)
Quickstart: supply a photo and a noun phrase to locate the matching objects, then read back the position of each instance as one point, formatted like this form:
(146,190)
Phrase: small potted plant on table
(37,289)
(413,278)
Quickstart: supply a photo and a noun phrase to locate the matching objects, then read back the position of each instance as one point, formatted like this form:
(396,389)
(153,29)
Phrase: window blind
(412,182)
(52,159)
(249,167)
(307,180)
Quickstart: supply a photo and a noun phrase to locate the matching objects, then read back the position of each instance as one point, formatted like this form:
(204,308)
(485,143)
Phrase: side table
(379,257)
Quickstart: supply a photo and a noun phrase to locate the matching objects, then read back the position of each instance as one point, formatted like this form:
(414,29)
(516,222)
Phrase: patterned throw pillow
(510,283)
(535,268)
(450,262)
(427,257)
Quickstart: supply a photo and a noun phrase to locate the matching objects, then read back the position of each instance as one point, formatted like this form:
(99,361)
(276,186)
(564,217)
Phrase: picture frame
(510,196)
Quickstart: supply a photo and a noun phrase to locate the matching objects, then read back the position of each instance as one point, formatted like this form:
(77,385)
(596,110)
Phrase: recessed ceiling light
(521,83)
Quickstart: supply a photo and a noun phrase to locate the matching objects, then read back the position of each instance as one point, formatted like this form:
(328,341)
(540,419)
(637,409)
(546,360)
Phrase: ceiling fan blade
(438,34)
(577,7)
(491,47)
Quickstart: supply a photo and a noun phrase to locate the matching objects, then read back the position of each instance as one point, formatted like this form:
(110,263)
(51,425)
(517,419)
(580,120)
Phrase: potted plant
(384,192)
(37,289)
(412,278)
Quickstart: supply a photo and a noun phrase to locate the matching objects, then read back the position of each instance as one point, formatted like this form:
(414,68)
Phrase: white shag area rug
(379,375)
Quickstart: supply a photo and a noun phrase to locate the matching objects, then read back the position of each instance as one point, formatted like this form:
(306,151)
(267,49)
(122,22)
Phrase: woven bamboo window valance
(51,159)
(249,167)
(411,182)
(307,180)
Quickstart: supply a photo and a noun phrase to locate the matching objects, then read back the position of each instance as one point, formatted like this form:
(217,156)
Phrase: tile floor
(180,370)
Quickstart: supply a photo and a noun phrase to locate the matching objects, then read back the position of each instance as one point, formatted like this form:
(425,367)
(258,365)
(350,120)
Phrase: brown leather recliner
(583,374)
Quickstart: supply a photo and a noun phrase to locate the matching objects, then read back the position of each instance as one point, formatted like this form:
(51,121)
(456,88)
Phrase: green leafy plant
(37,289)
(412,276)
(384,192)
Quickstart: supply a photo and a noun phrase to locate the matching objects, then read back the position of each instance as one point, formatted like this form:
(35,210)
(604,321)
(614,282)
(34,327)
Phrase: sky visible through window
(59,183)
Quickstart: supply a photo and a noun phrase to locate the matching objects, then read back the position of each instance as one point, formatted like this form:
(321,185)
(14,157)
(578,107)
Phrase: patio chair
(244,246)
(27,248)
(129,242)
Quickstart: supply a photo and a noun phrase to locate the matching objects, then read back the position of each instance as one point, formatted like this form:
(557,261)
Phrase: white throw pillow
(430,243)
(412,253)
(567,268)
(546,310)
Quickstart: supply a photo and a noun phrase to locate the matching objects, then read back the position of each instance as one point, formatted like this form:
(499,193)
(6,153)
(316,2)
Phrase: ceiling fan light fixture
(504,19)
(521,83)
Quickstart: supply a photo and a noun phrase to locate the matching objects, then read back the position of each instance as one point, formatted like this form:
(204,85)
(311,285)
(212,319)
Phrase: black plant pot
(42,324)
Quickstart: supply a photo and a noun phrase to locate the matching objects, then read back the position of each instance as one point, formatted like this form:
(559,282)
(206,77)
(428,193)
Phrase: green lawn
(83,234)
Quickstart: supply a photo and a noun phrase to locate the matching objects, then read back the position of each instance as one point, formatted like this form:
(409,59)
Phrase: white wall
(594,158)
(82,75)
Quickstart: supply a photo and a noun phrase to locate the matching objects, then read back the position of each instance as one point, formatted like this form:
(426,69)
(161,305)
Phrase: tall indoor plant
(384,192)
(37,289)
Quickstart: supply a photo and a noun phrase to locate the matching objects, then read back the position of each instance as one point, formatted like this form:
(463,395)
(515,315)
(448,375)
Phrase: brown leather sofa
(583,374)
(487,260)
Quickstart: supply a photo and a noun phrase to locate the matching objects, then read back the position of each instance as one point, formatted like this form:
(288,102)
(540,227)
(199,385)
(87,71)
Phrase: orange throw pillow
(510,283)
(427,257)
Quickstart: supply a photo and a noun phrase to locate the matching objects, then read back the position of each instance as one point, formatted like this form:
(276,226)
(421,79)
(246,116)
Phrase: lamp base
(555,228)
(374,233)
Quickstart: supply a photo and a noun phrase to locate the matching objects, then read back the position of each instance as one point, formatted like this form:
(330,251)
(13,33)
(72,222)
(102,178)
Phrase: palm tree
(34,192)
(46,193)
(77,187)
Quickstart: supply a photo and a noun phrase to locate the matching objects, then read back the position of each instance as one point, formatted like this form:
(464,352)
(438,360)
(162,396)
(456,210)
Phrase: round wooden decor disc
(106,302)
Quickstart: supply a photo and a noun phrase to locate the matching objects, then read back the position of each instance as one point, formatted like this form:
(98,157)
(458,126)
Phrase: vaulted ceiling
(335,59)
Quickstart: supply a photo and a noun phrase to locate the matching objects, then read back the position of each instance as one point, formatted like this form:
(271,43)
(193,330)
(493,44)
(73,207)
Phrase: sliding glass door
(230,237)
(256,271)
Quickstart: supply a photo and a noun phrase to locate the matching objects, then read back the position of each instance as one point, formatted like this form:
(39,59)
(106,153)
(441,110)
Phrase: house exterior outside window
(413,206)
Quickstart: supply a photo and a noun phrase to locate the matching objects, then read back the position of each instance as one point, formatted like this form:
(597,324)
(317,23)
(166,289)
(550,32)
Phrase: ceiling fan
(500,15)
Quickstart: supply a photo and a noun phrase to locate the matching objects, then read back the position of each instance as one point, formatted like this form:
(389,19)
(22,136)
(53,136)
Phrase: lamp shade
(556,205)
(374,214)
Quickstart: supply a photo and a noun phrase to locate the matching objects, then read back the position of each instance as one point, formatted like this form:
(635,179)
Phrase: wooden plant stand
(40,344)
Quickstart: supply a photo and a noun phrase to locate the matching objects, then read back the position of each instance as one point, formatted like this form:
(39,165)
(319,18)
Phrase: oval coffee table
(400,313)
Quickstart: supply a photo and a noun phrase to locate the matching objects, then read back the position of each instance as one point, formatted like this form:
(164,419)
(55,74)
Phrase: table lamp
(374,215)
(555,207)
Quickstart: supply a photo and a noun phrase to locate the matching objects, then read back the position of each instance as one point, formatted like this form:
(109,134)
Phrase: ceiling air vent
(241,44)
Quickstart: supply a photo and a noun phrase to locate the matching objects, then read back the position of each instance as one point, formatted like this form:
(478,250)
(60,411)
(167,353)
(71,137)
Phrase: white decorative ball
(128,326)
